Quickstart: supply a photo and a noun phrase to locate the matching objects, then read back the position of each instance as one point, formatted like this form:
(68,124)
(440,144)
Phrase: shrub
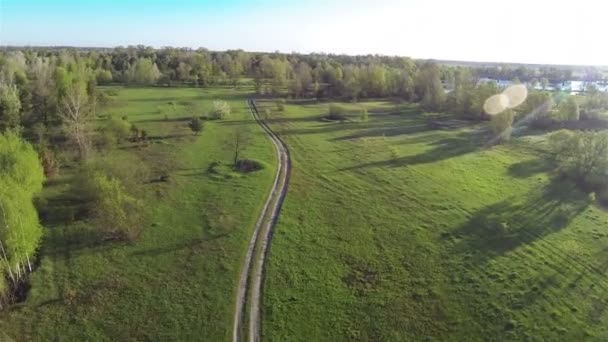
(113,132)
(363,116)
(280,105)
(134,133)
(196,125)
(583,156)
(247,165)
(117,212)
(220,110)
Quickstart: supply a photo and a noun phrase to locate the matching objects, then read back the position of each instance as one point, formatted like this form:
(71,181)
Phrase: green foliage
(267,114)
(429,87)
(336,112)
(143,72)
(196,125)
(103,76)
(568,109)
(583,156)
(19,163)
(21,178)
(10,106)
(116,212)
(119,128)
(280,104)
(480,95)
(221,110)
(363,116)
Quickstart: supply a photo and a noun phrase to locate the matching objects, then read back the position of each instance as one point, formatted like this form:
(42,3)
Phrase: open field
(391,231)
(178,280)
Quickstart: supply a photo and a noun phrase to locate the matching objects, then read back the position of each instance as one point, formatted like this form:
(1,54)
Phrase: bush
(582,156)
(363,116)
(117,212)
(113,132)
(247,165)
(335,112)
(196,125)
(280,105)
(220,110)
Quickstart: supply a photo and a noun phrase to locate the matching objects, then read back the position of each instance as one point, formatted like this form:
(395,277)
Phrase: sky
(525,31)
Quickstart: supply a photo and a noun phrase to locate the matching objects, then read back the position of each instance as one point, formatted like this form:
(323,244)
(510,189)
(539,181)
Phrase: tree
(21,178)
(429,87)
(116,211)
(352,83)
(103,76)
(481,93)
(196,125)
(302,79)
(544,83)
(221,110)
(583,156)
(44,90)
(144,72)
(568,109)
(76,111)
(10,106)
(501,124)
(238,142)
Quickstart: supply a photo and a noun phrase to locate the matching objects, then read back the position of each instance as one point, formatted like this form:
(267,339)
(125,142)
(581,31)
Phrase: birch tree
(76,112)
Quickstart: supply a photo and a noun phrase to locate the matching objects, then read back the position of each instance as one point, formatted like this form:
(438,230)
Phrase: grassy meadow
(178,280)
(393,231)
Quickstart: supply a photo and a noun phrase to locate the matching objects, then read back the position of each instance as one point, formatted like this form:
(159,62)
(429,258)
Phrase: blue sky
(536,31)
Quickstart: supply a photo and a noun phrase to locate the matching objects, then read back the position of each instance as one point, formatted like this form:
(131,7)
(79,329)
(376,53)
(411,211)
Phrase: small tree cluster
(582,156)
(21,178)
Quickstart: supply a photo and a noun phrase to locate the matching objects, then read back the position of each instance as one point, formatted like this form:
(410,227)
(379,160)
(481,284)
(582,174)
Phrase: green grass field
(178,280)
(392,231)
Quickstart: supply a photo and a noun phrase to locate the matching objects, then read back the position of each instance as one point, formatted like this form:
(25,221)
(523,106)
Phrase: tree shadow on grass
(446,148)
(530,167)
(506,225)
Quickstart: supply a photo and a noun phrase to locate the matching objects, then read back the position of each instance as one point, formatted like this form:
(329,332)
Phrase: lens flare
(516,94)
(496,104)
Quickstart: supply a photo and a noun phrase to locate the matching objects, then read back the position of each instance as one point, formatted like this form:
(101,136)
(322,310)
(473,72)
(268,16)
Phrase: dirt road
(252,274)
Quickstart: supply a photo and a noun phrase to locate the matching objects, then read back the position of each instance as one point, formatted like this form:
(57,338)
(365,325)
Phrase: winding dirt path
(252,275)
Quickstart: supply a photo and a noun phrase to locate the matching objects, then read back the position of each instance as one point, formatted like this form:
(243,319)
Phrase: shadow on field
(530,168)
(504,226)
(446,148)
(178,119)
(419,127)
(271,121)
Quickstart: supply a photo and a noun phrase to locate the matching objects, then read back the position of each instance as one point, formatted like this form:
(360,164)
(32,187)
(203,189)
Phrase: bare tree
(76,110)
(239,140)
